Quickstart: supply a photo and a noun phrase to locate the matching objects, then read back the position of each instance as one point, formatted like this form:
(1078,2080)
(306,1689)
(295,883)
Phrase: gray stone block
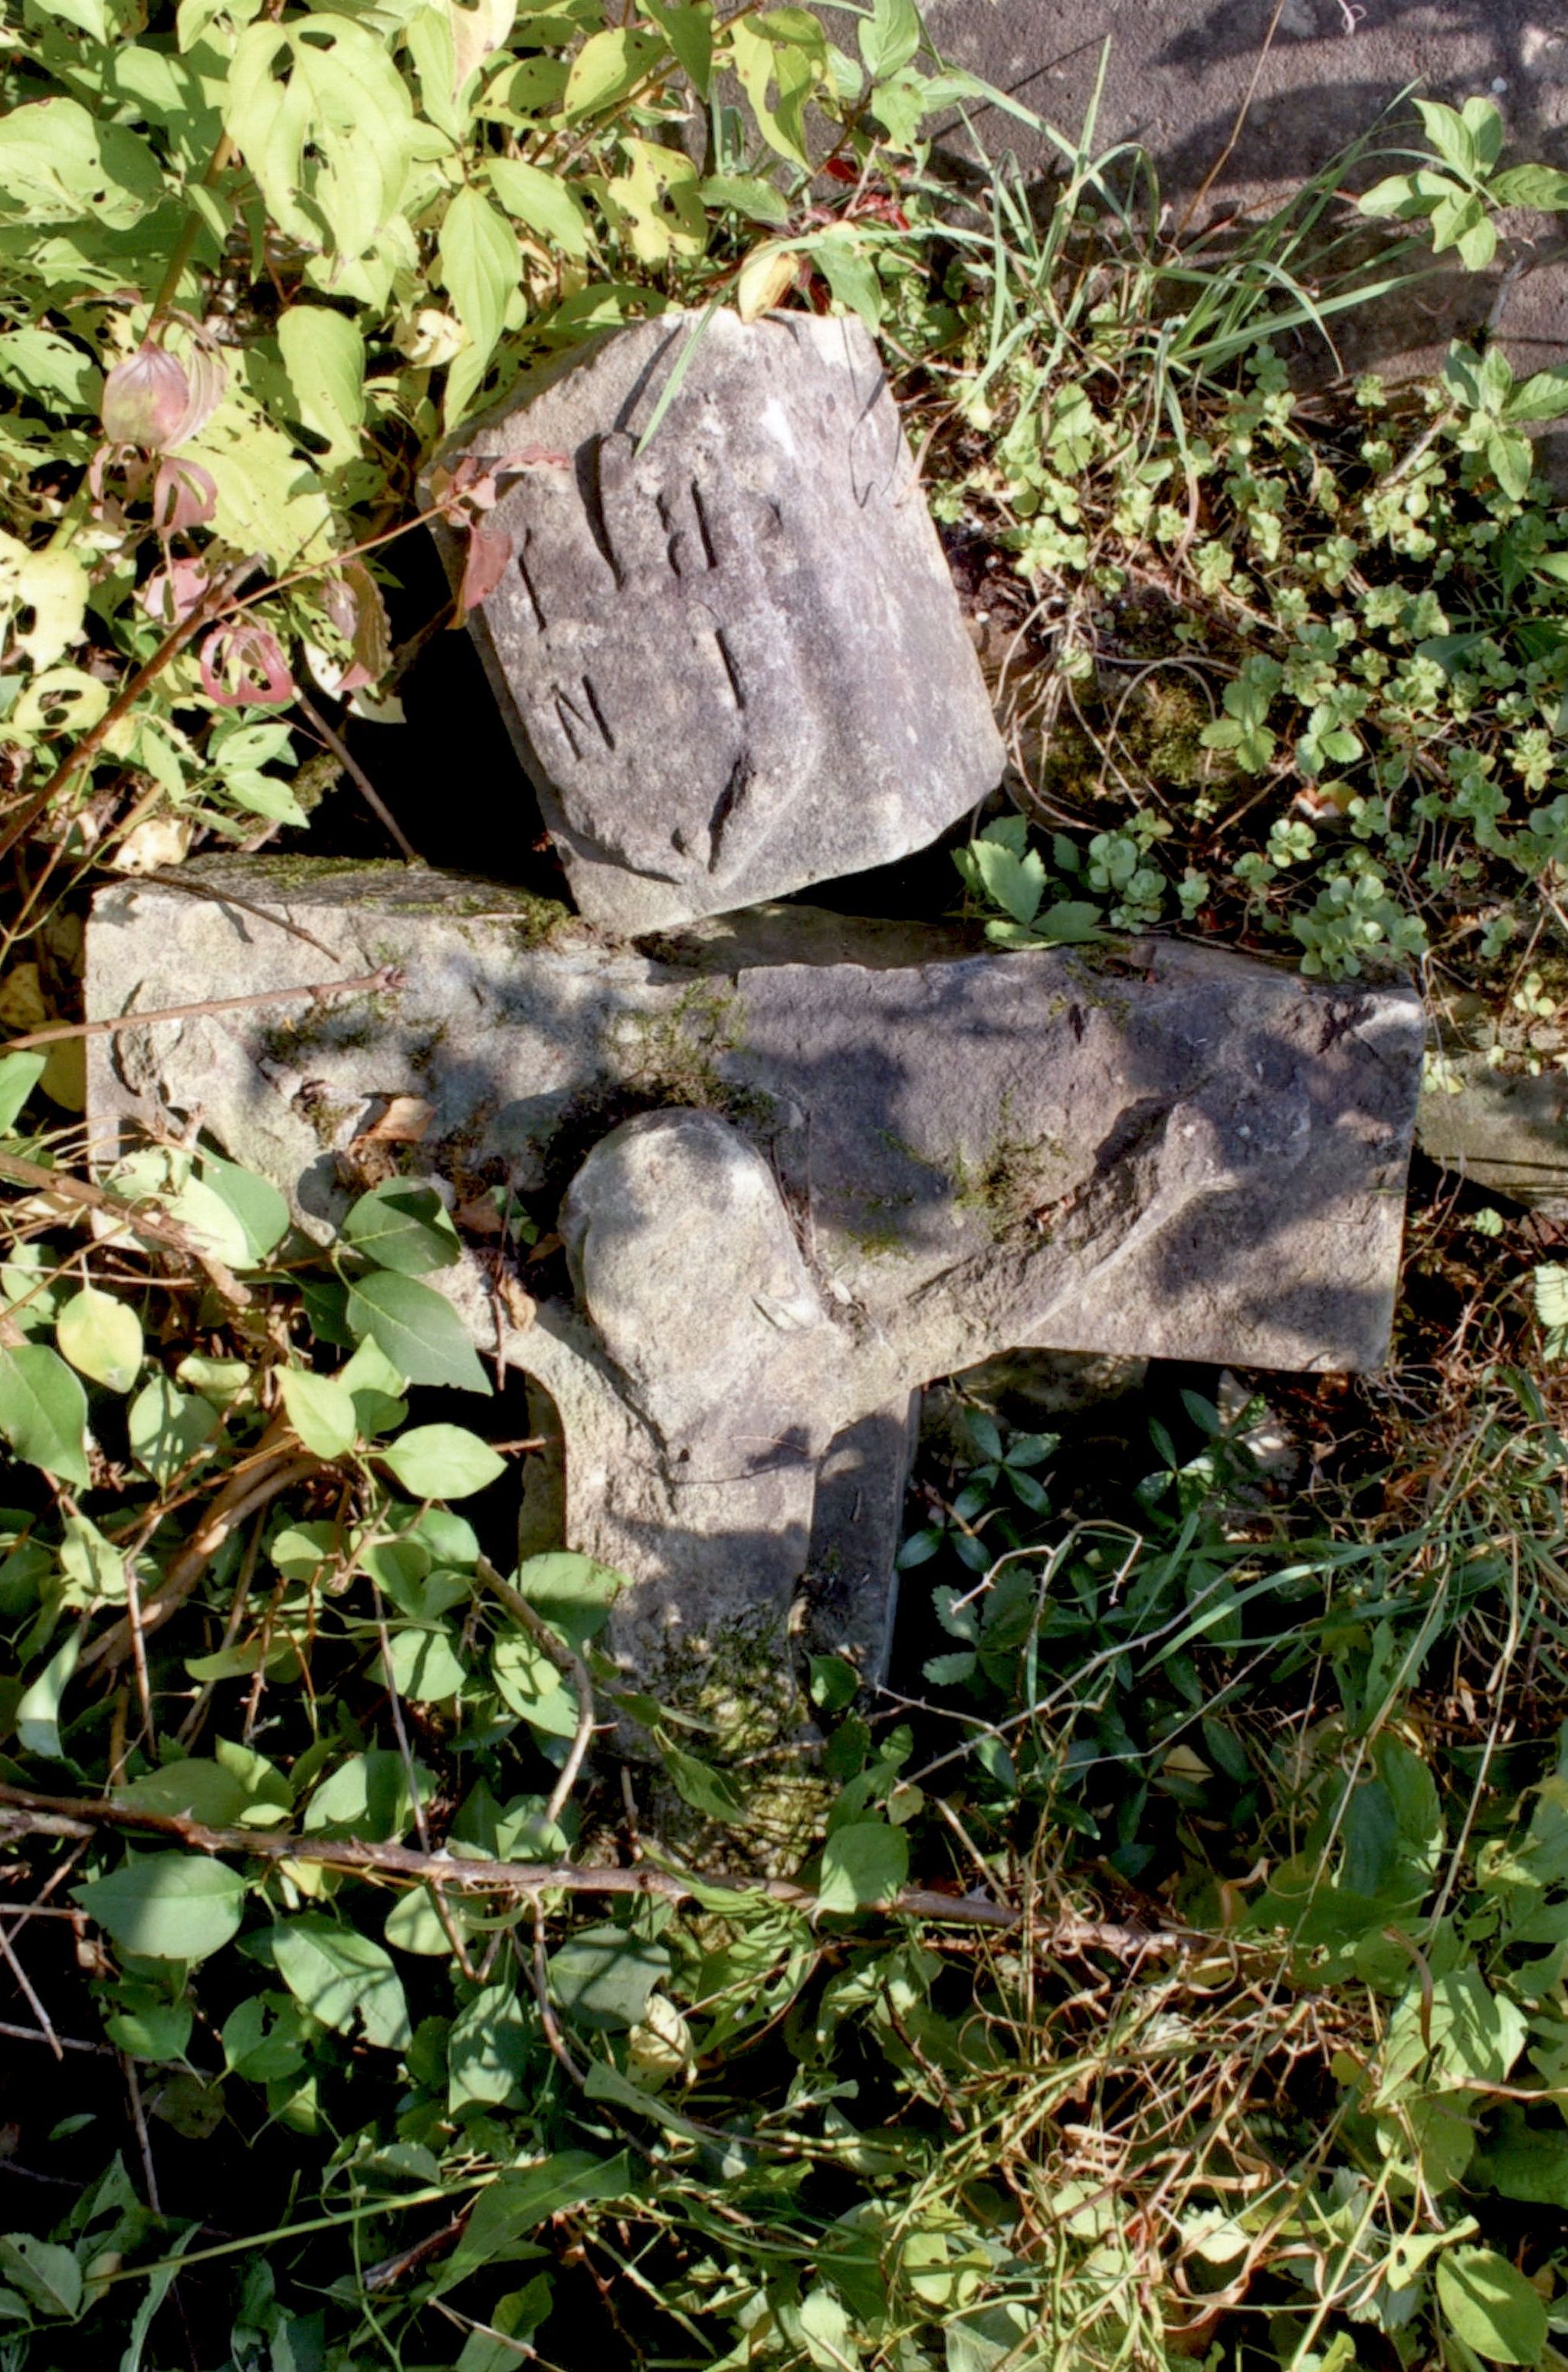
(733,662)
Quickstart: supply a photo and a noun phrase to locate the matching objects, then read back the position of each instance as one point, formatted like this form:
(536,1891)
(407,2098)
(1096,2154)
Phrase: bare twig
(150,1225)
(361,781)
(46,2023)
(143,2143)
(246,906)
(241,1496)
(60,2042)
(374,983)
(565,1661)
(25,1813)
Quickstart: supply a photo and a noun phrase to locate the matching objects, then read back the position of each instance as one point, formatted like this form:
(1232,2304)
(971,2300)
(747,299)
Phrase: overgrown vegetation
(1170,1965)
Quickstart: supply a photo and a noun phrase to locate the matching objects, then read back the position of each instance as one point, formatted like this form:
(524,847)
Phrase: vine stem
(375,982)
(25,1813)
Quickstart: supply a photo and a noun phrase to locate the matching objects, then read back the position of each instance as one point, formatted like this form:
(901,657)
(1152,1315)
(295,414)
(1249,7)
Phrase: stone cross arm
(802,1165)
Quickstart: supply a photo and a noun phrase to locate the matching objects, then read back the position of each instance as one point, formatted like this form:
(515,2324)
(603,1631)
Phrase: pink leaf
(243,667)
(490,551)
(156,401)
(170,594)
(184,495)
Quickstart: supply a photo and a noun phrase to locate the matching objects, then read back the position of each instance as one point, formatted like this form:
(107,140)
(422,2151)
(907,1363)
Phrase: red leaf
(243,667)
(490,553)
(170,594)
(184,495)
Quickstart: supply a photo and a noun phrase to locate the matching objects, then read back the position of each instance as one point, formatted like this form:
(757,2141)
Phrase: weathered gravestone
(732,662)
(809,1164)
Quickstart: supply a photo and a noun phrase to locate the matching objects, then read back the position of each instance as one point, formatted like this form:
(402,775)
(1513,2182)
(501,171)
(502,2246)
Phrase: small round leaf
(102,1337)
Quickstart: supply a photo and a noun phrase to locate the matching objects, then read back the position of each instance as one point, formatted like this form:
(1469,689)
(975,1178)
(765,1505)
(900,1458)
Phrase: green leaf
(757,200)
(1449,136)
(710,1792)
(102,1337)
(488,2051)
(1531,185)
(863,1862)
(570,1591)
(784,50)
(425,1668)
(58,165)
(1015,883)
(602,1976)
(889,38)
(544,203)
(376,1388)
(324,356)
(689,33)
(1490,2306)
(166,1906)
(443,1461)
(322,1412)
(403,1227)
(608,66)
(154,2030)
(37,1712)
(421,1333)
(531,1687)
(1070,923)
(43,1412)
(46,364)
(196,1790)
(254,1203)
(1543,396)
(1527,2164)
(325,122)
(850,274)
(342,1978)
(519,2200)
(479,267)
(47,2275)
(1510,459)
(169,1430)
(19,1075)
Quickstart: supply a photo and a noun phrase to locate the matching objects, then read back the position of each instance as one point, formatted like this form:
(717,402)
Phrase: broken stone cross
(808,1166)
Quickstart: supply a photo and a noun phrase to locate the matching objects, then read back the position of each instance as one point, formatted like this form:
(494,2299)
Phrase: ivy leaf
(1490,2306)
(166,1906)
(344,1979)
(863,1862)
(102,1337)
(43,1412)
(443,1461)
(421,1333)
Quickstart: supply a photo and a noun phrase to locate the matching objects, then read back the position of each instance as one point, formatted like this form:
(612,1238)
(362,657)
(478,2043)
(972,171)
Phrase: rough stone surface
(734,663)
(871,1154)
(1507,1133)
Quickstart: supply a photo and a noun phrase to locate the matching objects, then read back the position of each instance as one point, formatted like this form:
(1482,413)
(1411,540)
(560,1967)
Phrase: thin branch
(241,1496)
(92,741)
(361,781)
(376,982)
(65,2042)
(25,1813)
(565,1660)
(150,1225)
(143,2141)
(46,2023)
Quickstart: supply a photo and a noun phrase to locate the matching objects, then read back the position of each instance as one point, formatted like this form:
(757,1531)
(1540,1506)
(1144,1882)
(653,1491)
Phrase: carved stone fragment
(865,1155)
(731,659)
